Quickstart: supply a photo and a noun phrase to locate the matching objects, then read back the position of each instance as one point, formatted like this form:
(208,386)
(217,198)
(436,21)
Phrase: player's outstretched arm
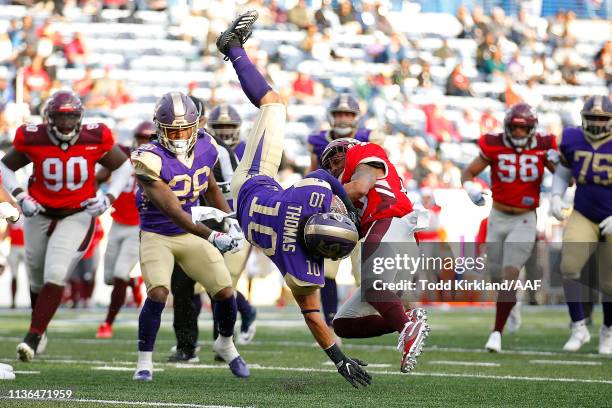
(349,368)
(362,181)
(166,201)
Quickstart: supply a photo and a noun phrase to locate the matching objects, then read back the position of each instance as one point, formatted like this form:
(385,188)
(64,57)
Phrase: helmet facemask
(65,126)
(172,137)
(343,123)
(596,126)
(229,133)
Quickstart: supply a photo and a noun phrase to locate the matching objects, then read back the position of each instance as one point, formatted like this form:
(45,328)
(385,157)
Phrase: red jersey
(516,176)
(387,199)
(63,178)
(15,233)
(124,207)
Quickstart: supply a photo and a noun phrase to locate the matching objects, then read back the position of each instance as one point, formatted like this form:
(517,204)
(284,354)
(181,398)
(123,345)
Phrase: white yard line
(27,372)
(464,363)
(113,368)
(566,362)
(114,402)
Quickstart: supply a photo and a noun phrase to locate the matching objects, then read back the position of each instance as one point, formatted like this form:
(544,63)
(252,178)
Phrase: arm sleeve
(484,148)
(561,179)
(120,178)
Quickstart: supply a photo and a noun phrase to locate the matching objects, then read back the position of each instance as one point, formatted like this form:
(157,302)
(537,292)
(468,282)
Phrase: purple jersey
(592,169)
(187,182)
(319,141)
(239,149)
(271,217)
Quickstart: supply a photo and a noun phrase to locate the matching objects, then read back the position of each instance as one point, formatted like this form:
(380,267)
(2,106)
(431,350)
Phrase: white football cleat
(412,340)
(578,337)
(494,342)
(25,352)
(6,367)
(605,340)
(7,375)
(514,319)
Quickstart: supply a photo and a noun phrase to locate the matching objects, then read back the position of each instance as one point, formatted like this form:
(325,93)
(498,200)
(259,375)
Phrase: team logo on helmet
(520,115)
(597,117)
(225,123)
(347,103)
(63,112)
(330,235)
(175,111)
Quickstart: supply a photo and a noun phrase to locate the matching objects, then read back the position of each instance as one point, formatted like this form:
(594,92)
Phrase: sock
(253,83)
(607,313)
(48,301)
(588,308)
(75,292)
(505,302)
(145,360)
(329,300)
(117,299)
(225,313)
(226,348)
(573,296)
(148,324)
(361,327)
(244,307)
(392,311)
(13,290)
(33,298)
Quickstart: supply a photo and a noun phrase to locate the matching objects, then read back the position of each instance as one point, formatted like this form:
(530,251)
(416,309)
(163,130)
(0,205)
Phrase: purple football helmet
(330,235)
(597,117)
(225,123)
(343,103)
(63,112)
(176,112)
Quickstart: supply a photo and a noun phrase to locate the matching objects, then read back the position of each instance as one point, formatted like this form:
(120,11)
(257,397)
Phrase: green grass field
(288,371)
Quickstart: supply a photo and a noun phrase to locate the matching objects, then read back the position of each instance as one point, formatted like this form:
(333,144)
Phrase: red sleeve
(19,141)
(485,149)
(108,141)
(362,154)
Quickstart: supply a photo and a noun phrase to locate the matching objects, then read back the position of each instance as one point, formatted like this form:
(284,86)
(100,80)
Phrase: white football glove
(8,212)
(553,156)
(233,229)
(474,191)
(606,226)
(223,242)
(97,205)
(560,209)
(29,206)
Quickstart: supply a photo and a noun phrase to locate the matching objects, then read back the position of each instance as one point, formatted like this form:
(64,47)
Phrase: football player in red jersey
(60,204)
(517,157)
(374,187)
(122,249)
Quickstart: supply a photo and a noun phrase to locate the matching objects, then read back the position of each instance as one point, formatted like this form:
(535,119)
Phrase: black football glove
(352,372)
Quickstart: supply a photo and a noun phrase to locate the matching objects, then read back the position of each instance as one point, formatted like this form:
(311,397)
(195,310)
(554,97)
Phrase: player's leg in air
(120,258)
(262,157)
(383,312)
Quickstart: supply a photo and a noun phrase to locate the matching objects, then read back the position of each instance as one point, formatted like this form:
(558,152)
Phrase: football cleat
(605,340)
(411,342)
(42,344)
(181,356)
(238,33)
(247,328)
(579,336)
(239,368)
(7,375)
(26,350)
(514,319)
(416,314)
(143,375)
(6,367)
(105,331)
(494,342)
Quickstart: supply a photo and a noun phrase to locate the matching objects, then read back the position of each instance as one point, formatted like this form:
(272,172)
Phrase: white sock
(145,360)
(225,347)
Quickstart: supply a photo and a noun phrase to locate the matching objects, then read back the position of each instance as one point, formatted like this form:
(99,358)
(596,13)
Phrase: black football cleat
(239,32)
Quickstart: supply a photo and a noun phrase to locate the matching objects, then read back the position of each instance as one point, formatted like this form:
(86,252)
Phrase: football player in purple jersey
(586,155)
(295,227)
(172,172)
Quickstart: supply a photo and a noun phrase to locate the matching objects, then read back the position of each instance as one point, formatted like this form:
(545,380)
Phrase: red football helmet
(63,113)
(521,116)
(144,132)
